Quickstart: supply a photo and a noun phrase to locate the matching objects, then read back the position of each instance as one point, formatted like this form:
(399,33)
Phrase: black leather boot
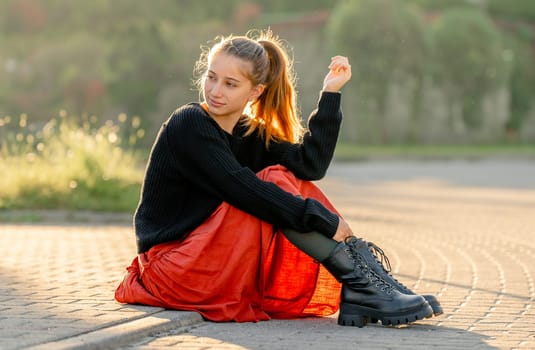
(384,271)
(365,295)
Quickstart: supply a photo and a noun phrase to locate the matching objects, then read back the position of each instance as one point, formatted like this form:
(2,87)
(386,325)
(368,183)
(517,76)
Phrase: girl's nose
(216,89)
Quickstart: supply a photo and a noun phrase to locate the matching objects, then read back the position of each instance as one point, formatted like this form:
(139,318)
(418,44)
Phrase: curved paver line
(472,247)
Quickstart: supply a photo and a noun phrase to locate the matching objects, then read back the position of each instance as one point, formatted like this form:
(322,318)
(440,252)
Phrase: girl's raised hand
(339,74)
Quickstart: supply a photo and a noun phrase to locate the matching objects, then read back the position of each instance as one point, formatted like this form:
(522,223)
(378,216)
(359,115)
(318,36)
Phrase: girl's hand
(342,231)
(339,74)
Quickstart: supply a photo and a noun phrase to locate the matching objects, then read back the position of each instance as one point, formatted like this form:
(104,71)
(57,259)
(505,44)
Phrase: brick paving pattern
(473,247)
(58,280)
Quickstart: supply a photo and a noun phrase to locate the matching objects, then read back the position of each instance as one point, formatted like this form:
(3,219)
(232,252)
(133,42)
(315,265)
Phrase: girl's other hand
(339,74)
(342,231)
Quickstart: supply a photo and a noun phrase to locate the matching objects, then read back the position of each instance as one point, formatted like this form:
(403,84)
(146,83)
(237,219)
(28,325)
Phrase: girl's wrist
(330,91)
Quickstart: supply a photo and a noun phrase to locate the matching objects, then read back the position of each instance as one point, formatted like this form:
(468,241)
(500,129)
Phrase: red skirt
(235,267)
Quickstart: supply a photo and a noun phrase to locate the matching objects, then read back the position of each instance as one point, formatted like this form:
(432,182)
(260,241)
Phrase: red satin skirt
(235,267)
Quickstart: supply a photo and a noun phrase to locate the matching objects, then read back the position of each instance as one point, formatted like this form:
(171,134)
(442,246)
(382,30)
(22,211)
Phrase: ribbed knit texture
(194,165)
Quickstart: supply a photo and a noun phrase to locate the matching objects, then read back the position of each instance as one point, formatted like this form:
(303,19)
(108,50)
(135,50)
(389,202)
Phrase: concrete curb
(125,333)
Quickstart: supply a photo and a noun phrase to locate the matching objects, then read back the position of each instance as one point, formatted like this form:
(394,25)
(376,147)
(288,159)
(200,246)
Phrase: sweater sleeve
(310,159)
(202,154)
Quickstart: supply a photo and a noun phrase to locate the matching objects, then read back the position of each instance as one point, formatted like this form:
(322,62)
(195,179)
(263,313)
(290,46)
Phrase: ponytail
(276,107)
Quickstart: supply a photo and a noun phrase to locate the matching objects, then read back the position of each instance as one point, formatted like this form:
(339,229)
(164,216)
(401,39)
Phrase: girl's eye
(229,84)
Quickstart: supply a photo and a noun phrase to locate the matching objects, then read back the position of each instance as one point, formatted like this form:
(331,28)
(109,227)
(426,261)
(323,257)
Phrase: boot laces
(361,262)
(383,260)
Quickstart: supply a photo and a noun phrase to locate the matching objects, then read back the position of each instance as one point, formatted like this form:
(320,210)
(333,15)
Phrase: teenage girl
(229,223)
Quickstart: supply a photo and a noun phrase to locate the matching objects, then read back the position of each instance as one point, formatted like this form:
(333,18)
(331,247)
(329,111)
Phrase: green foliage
(69,163)
(104,57)
(102,17)
(385,40)
(521,83)
(512,9)
(66,72)
(468,59)
(505,9)
(288,6)
(101,57)
(440,5)
(137,78)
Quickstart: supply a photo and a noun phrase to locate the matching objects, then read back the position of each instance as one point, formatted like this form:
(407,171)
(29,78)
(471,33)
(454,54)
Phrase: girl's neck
(226,123)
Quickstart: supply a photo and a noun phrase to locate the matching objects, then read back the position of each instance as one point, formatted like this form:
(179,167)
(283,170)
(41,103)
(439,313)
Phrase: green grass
(76,163)
(70,163)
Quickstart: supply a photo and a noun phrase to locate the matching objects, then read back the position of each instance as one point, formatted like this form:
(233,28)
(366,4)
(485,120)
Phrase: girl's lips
(214,103)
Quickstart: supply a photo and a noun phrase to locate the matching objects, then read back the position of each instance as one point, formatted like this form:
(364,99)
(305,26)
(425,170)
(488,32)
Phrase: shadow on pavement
(325,333)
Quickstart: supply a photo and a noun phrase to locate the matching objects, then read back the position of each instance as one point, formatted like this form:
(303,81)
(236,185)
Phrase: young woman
(229,223)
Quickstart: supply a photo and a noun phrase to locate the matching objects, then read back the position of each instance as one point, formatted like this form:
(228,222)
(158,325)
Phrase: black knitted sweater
(195,165)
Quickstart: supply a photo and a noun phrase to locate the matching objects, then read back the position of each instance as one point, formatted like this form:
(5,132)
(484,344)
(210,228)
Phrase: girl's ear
(256,92)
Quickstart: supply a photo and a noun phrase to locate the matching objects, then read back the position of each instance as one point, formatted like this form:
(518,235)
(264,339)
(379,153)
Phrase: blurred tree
(26,16)
(387,44)
(468,62)
(82,55)
(292,6)
(512,9)
(135,56)
(444,5)
(138,60)
(62,74)
(522,81)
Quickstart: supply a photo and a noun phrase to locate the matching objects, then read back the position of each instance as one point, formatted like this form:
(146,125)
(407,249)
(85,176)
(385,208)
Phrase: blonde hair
(274,113)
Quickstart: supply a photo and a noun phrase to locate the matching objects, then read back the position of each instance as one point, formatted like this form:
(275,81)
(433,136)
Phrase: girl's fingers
(338,57)
(339,63)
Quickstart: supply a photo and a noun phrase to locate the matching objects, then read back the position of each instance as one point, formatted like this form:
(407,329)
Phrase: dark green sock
(313,244)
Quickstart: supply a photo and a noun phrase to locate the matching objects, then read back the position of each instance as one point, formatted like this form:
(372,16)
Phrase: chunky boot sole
(359,316)
(431,300)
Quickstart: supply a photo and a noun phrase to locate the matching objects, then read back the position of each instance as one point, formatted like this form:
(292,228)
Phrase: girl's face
(227,88)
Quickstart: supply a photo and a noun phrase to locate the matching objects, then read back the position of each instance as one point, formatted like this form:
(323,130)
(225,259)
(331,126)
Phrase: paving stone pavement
(464,231)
